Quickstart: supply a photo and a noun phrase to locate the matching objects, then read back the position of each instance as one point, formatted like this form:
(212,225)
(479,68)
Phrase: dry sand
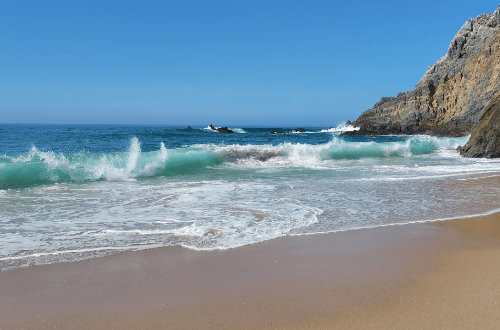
(441,275)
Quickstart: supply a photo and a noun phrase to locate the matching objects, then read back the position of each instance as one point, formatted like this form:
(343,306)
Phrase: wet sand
(427,275)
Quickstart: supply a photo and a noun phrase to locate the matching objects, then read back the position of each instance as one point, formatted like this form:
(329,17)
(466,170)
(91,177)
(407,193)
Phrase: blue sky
(308,63)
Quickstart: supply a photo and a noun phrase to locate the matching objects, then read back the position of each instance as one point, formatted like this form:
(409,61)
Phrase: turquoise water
(74,192)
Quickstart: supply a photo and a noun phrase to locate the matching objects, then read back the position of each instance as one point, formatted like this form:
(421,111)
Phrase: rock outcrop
(485,137)
(220,129)
(451,96)
(298,130)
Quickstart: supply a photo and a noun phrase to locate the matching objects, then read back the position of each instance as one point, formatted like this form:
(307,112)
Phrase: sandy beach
(250,165)
(427,275)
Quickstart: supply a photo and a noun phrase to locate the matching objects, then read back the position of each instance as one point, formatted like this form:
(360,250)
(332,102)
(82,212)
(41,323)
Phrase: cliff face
(452,94)
(485,137)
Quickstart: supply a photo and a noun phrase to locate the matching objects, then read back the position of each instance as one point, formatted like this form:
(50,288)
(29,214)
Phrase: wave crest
(39,167)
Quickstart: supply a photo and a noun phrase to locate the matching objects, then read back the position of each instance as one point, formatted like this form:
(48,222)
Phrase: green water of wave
(39,167)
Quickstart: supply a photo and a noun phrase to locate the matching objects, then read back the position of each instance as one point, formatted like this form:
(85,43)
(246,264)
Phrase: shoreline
(349,279)
(128,249)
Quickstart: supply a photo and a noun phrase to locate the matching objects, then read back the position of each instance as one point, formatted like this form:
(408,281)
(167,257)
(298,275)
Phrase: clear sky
(309,63)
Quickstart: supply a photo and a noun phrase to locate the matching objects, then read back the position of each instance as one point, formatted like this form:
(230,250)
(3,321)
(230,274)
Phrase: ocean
(72,192)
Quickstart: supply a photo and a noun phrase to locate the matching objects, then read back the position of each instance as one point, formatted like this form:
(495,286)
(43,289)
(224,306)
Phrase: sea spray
(133,154)
(342,127)
(151,168)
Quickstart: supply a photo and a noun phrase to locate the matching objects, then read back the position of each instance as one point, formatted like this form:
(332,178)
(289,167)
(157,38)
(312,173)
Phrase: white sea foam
(462,216)
(209,197)
(343,127)
(314,156)
(46,167)
(235,130)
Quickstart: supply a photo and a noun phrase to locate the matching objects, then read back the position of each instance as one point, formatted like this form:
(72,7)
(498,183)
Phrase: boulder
(220,129)
(485,137)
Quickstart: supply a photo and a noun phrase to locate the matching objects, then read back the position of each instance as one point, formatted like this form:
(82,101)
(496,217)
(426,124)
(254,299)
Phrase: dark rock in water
(224,130)
(220,129)
(299,130)
(485,138)
(189,127)
(453,93)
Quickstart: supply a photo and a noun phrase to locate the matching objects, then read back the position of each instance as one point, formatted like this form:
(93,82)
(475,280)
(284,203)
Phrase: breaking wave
(45,167)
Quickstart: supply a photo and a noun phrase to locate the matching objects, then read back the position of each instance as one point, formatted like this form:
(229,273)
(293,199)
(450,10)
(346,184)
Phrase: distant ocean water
(71,192)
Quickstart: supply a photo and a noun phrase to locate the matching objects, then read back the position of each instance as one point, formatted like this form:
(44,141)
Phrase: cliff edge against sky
(453,93)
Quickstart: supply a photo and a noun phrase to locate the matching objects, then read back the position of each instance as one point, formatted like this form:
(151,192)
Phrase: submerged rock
(451,96)
(485,138)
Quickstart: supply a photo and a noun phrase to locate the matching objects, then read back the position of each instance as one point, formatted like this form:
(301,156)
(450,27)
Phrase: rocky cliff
(485,137)
(451,96)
